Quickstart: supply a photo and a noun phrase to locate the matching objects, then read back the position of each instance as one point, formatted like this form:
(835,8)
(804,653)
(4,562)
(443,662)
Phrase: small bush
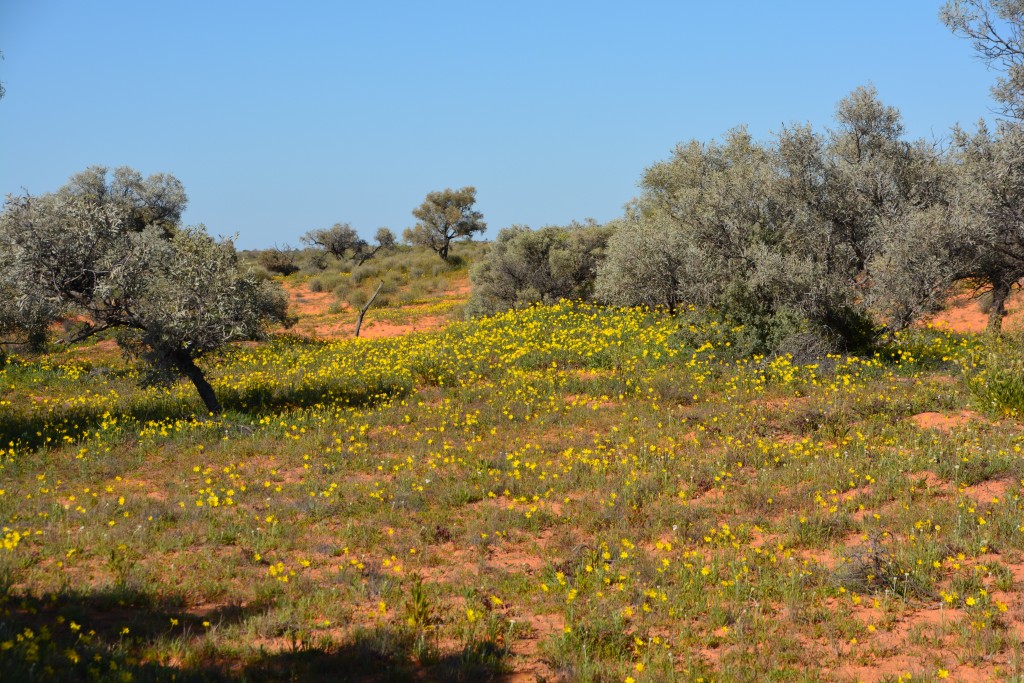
(361,274)
(279,261)
(356,298)
(998,387)
(527,267)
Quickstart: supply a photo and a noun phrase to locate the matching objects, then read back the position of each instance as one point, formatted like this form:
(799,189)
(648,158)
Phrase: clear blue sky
(283,117)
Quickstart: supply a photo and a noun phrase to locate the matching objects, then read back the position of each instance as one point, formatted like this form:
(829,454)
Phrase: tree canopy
(342,241)
(172,294)
(996,29)
(445,216)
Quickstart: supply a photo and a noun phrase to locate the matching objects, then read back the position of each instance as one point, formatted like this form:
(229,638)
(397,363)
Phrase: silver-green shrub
(526,267)
(172,294)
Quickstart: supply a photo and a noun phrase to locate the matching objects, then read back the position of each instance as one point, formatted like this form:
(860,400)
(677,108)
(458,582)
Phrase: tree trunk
(443,252)
(359,320)
(189,368)
(1000,292)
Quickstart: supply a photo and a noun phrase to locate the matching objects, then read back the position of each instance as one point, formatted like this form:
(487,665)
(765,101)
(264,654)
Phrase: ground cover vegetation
(569,491)
(713,440)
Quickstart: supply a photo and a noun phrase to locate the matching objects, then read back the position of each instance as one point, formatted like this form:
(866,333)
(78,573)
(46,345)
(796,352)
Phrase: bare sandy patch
(963,314)
(991,491)
(944,422)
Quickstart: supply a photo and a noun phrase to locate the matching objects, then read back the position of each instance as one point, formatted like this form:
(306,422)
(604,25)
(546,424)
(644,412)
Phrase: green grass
(569,492)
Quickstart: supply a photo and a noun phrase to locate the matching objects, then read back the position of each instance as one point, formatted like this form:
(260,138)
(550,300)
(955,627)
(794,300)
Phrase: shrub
(279,261)
(526,267)
(646,262)
(356,298)
(802,241)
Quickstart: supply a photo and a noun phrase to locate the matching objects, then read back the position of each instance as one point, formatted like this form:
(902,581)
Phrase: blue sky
(283,117)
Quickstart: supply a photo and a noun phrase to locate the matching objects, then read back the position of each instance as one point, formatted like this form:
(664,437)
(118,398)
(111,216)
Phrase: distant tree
(342,241)
(996,28)
(2,91)
(172,294)
(279,260)
(445,216)
(526,267)
(385,240)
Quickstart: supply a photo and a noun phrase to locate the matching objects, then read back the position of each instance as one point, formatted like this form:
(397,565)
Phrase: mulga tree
(985,232)
(171,294)
(443,217)
(384,240)
(342,241)
(783,236)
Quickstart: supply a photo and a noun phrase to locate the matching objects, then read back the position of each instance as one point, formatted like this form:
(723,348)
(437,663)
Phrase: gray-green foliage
(648,260)
(280,260)
(190,298)
(996,28)
(526,267)
(343,242)
(784,237)
(157,201)
(445,216)
(172,294)
(984,233)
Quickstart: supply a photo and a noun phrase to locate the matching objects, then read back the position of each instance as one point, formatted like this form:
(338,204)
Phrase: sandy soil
(315,318)
(963,314)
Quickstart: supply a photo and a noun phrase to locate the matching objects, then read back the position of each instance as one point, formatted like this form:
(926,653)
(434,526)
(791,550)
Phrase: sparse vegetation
(554,490)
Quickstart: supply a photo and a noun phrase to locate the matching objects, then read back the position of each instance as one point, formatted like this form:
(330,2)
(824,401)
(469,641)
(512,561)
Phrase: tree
(985,235)
(786,237)
(279,260)
(443,217)
(385,238)
(996,28)
(172,295)
(342,241)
